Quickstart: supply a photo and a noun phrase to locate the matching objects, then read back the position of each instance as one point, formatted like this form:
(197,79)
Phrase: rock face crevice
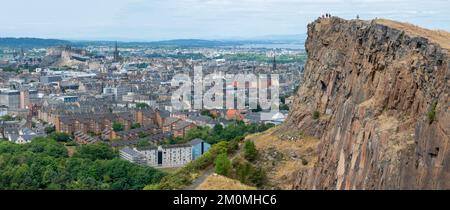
(382,95)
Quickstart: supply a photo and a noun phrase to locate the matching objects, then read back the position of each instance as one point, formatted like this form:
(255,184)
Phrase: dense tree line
(45,164)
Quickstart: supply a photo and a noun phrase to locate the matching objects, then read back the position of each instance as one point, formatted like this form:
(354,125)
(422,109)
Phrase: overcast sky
(207,19)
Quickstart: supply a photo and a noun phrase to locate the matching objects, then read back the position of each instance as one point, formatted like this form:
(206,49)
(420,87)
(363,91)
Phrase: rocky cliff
(376,94)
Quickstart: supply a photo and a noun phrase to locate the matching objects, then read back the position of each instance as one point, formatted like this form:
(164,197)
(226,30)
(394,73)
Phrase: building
(171,156)
(155,138)
(234,114)
(132,156)
(27,98)
(20,139)
(68,99)
(50,78)
(132,134)
(167,156)
(151,155)
(10,98)
(202,121)
(266,117)
(181,128)
(87,122)
(82,138)
(169,124)
(199,147)
(118,91)
(146,117)
(24,99)
(19,136)
(273,117)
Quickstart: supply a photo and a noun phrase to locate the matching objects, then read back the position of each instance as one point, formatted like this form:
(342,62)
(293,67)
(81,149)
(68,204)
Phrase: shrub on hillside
(316,115)
(431,114)
(250,152)
(222,164)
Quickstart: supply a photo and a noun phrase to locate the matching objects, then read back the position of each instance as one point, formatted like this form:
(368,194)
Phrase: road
(200,179)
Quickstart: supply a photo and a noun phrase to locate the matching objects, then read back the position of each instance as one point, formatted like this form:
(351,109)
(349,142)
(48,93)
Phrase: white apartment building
(165,156)
(174,155)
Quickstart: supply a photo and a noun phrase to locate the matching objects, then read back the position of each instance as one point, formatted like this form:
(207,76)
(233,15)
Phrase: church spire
(116,53)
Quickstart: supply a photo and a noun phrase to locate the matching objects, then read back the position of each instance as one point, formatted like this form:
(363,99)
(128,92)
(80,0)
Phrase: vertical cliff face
(376,93)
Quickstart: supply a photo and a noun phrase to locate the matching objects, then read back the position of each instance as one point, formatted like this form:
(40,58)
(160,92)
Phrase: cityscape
(255,96)
(119,94)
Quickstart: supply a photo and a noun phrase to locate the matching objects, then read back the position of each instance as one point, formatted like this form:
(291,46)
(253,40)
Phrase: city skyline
(139,20)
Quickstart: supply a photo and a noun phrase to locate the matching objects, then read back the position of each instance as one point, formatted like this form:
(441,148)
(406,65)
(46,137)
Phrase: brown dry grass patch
(294,155)
(217,182)
(440,37)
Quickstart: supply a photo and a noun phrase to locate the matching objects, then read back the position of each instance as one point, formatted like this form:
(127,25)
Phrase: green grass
(431,114)
(316,115)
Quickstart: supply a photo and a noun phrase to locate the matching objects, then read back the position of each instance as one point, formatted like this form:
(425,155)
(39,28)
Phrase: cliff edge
(376,94)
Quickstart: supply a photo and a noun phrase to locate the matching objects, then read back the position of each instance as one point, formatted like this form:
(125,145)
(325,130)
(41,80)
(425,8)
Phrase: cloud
(167,19)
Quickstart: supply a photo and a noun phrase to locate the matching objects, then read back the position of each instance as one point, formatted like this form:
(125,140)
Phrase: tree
(283,99)
(175,140)
(135,125)
(257,176)
(117,126)
(284,107)
(218,128)
(60,137)
(248,173)
(250,152)
(142,134)
(7,118)
(95,152)
(208,113)
(198,132)
(142,144)
(142,106)
(47,147)
(222,164)
(49,130)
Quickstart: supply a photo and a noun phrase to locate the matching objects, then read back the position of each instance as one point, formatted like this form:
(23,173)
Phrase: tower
(116,53)
(274,65)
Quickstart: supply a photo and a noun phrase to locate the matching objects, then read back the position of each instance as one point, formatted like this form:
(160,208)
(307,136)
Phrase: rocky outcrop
(377,96)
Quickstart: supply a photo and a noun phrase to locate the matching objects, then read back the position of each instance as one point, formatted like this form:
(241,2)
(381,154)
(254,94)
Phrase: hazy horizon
(276,37)
(155,20)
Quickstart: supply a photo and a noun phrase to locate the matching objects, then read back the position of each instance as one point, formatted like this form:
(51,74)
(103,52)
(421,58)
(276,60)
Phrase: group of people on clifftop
(325,16)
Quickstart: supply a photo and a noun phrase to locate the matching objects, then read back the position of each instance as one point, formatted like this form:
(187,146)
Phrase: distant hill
(193,43)
(275,38)
(31,42)
(176,43)
(183,43)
